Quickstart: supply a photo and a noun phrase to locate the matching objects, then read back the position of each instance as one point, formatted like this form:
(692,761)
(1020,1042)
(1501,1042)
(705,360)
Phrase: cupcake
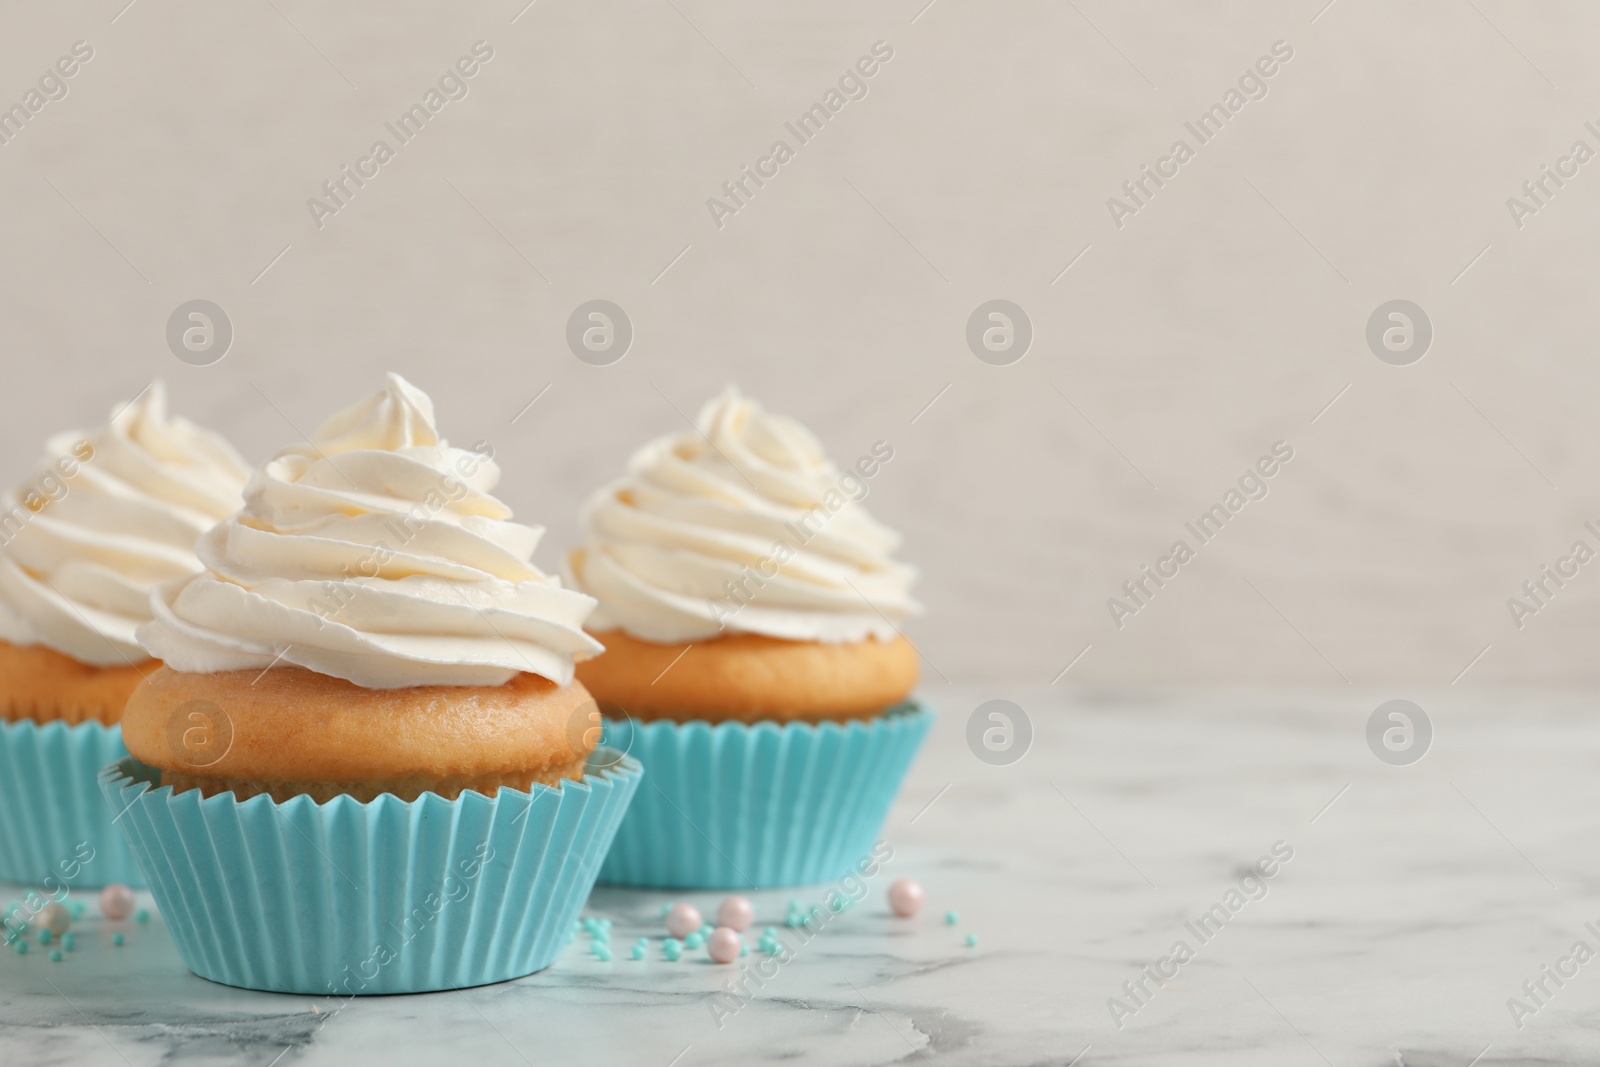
(108,515)
(366,718)
(750,609)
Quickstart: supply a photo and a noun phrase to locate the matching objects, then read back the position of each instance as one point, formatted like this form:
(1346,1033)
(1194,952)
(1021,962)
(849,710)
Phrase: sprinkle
(708,929)
(69,942)
(117,939)
(744,949)
(771,931)
(694,940)
(45,936)
(666,909)
(906,897)
(737,913)
(142,915)
(55,955)
(972,940)
(794,904)
(724,945)
(77,908)
(638,952)
(672,947)
(601,952)
(21,948)
(683,920)
(54,918)
(600,934)
(952,917)
(116,902)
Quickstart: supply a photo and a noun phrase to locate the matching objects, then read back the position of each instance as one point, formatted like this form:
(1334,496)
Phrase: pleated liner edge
(52,810)
(753,806)
(387,896)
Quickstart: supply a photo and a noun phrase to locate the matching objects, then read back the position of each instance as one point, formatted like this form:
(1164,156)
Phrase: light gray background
(1223,317)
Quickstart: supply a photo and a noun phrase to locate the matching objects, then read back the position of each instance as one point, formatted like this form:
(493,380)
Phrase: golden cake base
(747,677)
(289,731)
(41,684)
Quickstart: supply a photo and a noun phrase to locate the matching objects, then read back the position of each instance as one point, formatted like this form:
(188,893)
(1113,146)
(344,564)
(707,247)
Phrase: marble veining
(1418,901)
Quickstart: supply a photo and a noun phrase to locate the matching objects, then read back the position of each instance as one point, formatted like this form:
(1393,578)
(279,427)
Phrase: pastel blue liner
(752,806)
(388,896)
(52,814)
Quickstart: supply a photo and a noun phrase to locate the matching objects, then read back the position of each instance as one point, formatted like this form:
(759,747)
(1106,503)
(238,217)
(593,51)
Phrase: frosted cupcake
(750,609)
(368,699)
(106,516)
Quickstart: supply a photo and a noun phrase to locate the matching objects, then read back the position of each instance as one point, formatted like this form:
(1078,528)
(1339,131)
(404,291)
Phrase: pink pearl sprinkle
(116,902)
(906,897)
(683,920)
(723,945)
(53,917)
(737,913)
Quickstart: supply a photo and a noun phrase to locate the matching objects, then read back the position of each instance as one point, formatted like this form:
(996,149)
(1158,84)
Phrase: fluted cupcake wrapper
(388,896)
(735,805)
(55,827)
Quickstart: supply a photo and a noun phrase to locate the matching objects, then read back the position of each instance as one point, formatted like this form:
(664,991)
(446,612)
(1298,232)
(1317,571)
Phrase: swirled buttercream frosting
(108,515)
(375,552)
(742,526)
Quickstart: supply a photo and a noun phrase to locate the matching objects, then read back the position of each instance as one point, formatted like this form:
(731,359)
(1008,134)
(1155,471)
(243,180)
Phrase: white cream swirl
(109,515)
(742,526)
(374,553)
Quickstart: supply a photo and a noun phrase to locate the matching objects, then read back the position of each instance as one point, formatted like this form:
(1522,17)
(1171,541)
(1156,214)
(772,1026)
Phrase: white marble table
(1415,905)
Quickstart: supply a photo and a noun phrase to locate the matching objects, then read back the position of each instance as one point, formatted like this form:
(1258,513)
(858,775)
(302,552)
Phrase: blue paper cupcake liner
(752,806)
(387,896)
(55,827)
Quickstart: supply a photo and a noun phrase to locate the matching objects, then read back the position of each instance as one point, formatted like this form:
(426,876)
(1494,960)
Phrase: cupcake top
(743,526)
(374,553)
(106,516)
